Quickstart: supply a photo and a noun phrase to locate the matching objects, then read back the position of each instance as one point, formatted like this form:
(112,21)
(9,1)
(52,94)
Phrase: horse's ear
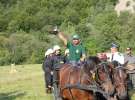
(125,64)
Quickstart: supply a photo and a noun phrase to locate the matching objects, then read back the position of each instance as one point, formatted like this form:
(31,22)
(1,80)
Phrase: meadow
(25,82)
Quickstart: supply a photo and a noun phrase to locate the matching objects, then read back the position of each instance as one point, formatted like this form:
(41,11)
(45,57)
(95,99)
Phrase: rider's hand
(55,30)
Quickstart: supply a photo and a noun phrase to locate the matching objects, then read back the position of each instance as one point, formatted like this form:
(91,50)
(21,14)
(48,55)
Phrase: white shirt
(117,56)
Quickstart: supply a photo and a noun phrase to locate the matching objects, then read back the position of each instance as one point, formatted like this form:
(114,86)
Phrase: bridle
(106,70)
(118,70)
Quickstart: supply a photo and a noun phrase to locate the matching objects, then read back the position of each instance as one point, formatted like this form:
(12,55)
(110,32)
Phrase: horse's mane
(94,59)
(91,63)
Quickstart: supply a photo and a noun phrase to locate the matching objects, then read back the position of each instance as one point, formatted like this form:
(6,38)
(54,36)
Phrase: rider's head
(57,49)
(49,52)
(114,48)
(75,39)
(128,51)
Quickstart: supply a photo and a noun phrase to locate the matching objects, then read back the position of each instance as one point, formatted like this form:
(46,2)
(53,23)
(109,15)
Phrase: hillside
(24,26)
(125,5)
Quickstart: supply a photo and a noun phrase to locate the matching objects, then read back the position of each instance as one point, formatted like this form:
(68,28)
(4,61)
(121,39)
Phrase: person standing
(128,57)
(48,70)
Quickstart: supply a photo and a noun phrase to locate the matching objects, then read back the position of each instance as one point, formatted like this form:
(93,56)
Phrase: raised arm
(62,37)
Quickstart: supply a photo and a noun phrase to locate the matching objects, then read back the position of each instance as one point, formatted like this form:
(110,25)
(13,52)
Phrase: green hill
(25,25)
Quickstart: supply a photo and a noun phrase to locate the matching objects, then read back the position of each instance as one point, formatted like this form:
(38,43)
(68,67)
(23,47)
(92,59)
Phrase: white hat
(49,51)
(56,47)
(66,51)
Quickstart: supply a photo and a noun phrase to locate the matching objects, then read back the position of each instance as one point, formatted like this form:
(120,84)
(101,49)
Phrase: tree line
(25,25)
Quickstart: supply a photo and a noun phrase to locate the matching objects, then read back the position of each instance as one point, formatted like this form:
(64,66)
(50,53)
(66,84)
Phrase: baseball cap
(75,36)
(114,45)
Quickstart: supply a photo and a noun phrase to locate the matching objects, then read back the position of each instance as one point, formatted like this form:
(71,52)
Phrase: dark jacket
(58,60)
(48,64)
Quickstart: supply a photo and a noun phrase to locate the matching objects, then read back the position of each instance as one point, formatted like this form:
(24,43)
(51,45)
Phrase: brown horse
(103,77)
(82,75)
(119,76)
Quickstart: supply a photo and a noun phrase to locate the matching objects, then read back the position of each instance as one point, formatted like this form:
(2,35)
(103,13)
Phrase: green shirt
(75,51)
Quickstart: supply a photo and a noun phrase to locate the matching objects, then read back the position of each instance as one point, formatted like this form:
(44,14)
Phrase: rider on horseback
(115,55)
(76,49)
(58,58)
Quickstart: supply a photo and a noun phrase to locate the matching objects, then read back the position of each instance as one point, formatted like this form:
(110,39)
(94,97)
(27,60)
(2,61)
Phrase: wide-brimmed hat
(56,47)
(48,52)
(128,48)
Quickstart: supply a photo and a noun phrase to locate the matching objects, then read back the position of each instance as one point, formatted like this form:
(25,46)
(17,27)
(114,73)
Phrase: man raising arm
(76,49)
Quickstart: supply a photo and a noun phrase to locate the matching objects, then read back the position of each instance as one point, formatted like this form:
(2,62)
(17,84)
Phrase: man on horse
(48,70)
(115,55)
(76,49)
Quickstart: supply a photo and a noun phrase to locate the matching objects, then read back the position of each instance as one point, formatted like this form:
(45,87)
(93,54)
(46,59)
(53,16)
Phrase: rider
(115,55)
(131,67)
(47,68)
(58,60)
(129,56)
(76,49)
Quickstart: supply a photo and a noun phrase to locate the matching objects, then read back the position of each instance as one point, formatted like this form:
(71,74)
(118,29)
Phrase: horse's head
(102,72)
(90,64)
(119,76)
(104,77)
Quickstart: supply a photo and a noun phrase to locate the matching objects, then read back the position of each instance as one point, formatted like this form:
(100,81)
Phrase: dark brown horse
(83,75)
(103,77)
(119,76)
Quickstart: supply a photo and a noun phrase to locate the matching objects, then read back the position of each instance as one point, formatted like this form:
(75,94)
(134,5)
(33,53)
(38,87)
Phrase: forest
(25,25)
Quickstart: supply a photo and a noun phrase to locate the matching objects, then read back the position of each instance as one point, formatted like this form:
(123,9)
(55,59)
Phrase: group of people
(53,58)
(75,54)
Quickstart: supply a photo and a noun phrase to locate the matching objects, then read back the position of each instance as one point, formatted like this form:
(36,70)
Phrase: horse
(104,79)
(119,76)
(71,80)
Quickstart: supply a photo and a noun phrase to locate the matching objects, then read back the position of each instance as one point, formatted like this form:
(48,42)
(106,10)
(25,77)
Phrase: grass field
(25,84)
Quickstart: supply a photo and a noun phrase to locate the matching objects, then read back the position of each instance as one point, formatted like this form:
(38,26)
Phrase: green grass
(26,84)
